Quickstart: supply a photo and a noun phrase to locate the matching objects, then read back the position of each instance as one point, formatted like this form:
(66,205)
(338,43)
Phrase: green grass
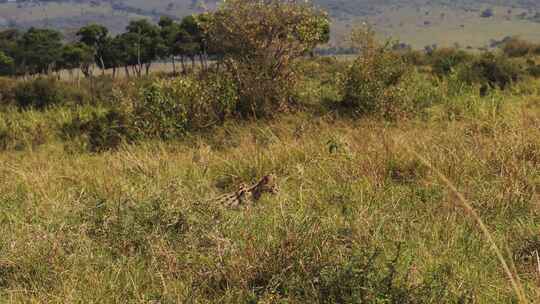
(359,219)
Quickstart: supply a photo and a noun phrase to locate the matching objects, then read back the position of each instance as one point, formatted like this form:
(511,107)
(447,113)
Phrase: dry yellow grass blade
(513,277)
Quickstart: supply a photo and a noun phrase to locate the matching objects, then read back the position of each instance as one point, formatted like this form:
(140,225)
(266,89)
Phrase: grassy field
(449,26)
(358,219)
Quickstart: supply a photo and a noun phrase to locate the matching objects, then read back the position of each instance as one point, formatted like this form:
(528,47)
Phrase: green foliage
(515,47)
(170,108)
(6,64)
(493,70)
(39,93)
(100,131)
(259,55)
(41,49)
(445,60)
(374,82)
(77,55)
(162,109)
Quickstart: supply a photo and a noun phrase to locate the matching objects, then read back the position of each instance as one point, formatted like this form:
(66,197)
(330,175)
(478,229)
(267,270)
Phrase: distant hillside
(415,22)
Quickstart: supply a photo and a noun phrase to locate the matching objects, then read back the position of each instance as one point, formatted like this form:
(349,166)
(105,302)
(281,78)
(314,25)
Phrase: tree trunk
(173,66)
(102,65)
(183,62)
(147,66)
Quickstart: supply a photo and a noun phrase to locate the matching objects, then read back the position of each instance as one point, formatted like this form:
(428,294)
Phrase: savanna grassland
(389,166)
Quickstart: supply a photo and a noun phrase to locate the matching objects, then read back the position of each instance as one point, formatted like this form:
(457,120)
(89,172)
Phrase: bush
(534,70)
(415,57)
(170,108)
(515,47)
(445,60)
(259,59)
(162,110)
(373,83)
(41,93)
(100,131)
(493,70)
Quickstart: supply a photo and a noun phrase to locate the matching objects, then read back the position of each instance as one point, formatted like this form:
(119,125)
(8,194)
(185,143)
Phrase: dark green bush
(373,84)
(493,70)
(445,60)
(415,57)
(534,70)
(170,108)
(515,47)
(39,93)
(101,131)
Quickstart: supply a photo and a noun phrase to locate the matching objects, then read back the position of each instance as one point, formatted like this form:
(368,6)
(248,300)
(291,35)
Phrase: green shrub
(534,70)
(515,47)
(493,70)
(100,131)
(172,107)
(445,60)
(39,93)
(260,59)
(162,109)
(373,84)
(415,57)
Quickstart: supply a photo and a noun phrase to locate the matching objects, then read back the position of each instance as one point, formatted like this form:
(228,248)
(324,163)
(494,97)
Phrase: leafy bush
(100,131)
(534,70)
(515,47)
(259,56)
(42,92)
(492,70)
(170,108)
(445,60)
(162,110)
(373,83)
(381,82)
(39,93)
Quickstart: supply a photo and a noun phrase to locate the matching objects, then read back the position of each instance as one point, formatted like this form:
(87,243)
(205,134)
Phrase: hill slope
(417,22)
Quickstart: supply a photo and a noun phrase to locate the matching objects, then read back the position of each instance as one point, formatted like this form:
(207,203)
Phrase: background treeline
(43,51)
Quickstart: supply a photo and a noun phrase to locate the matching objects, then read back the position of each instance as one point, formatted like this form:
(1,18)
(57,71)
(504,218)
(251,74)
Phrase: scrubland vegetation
(107,183)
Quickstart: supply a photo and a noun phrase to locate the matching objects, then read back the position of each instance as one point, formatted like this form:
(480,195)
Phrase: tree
(77,55)
(6,64)
(144,44)
(40,50)
(193,38)
(95,36)
(114,54)
(169,33)
(9,46)
(260,41)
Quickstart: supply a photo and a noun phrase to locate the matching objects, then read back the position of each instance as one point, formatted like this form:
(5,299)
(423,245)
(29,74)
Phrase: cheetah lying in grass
(248,194)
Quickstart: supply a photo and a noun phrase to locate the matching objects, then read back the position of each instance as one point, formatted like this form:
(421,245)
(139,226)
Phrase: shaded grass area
(358,218)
